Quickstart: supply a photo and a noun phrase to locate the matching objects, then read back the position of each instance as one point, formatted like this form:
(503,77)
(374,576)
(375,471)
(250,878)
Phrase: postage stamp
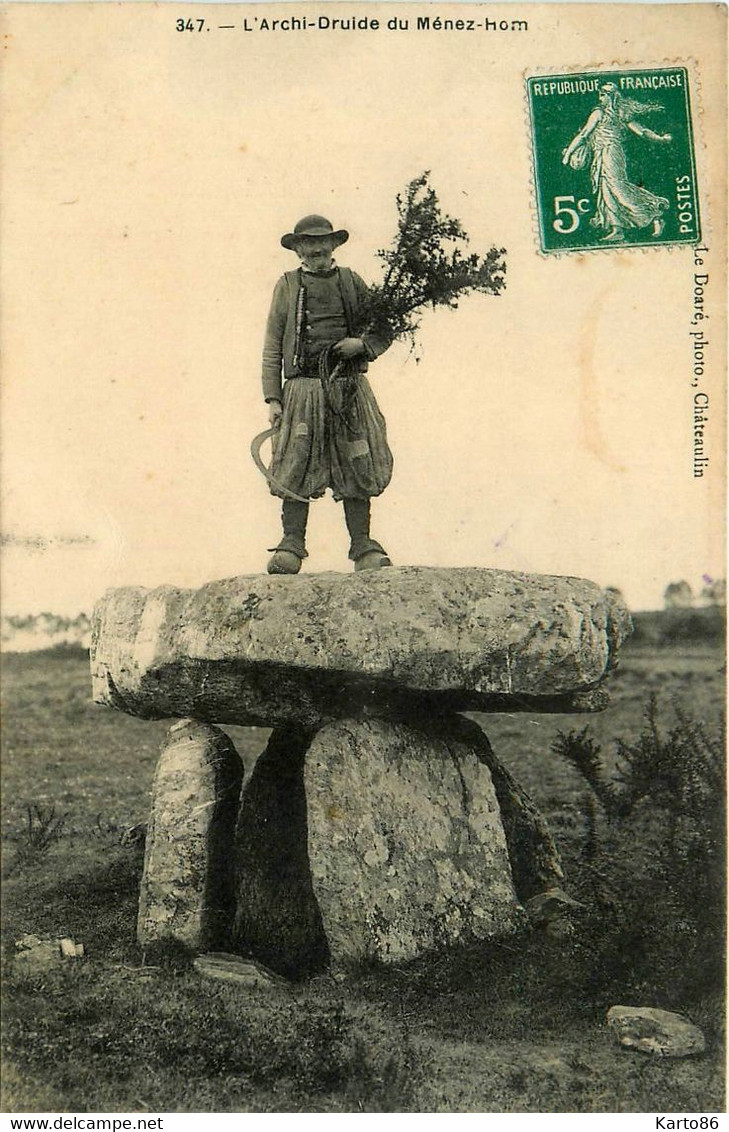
(613,158)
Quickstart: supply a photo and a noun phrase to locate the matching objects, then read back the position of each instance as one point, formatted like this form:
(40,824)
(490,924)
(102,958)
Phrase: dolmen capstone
(377,825)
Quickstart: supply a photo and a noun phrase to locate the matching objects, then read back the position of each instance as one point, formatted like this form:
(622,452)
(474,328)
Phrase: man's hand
(349,348)
(275,409)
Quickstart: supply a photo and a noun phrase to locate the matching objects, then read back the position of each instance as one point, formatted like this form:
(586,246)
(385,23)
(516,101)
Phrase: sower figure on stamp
(329,431)
(620,204)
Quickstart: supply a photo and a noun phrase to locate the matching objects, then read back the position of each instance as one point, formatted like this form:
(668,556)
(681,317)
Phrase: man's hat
(314,226)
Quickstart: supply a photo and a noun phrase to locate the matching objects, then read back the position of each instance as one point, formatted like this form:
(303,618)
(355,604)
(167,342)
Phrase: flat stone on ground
(654,1031)
(224,967)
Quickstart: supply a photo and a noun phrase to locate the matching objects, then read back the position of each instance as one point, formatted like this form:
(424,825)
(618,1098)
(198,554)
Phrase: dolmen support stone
(378,824)
(187,891)
(406,847)
(265,650)
(374,840)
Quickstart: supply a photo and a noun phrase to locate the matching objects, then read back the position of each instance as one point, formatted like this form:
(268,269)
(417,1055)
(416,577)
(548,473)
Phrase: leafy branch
(428,265)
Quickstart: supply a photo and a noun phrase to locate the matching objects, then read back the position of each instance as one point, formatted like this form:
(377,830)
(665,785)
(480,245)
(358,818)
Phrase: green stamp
(614,159)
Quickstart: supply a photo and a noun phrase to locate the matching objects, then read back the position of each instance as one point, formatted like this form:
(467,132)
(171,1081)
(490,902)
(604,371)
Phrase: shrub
(653,867)
(43,828)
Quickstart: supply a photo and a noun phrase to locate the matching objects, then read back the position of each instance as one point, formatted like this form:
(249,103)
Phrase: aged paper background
(147,177)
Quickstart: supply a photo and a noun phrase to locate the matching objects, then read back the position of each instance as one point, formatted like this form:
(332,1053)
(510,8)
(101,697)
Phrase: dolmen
(377,825)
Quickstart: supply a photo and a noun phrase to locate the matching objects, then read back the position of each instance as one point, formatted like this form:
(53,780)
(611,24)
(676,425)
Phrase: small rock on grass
(551,911)
(654,1031)
(70,949)
(35,956)
(234,969)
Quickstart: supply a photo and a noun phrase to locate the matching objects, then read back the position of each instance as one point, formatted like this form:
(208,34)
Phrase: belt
(310,370)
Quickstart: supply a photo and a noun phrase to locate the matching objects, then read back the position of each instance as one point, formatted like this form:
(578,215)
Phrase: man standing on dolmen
(328,429)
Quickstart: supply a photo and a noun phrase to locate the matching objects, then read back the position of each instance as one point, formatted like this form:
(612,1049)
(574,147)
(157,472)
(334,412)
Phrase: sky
(148,177)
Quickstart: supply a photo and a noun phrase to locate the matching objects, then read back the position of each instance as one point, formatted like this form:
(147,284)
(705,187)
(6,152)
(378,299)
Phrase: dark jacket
(280,345)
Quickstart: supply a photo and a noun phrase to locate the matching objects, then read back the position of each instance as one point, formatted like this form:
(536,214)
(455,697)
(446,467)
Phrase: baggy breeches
(315,449)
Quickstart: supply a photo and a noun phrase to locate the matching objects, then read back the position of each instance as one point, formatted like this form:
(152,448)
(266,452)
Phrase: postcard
(370,358)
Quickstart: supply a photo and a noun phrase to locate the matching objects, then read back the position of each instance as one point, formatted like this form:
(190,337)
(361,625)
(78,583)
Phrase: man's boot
(288,555)
(363,551)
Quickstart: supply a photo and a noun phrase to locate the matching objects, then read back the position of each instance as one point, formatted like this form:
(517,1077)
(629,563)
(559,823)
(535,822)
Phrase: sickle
(256,445)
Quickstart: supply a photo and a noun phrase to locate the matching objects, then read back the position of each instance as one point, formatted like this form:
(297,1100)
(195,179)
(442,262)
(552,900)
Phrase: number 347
(568,207)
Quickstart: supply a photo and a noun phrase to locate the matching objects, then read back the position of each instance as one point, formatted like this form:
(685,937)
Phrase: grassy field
(509,1027)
